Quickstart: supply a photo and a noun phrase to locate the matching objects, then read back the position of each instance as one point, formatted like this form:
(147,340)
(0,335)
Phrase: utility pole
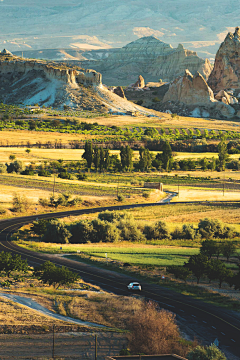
(224,183)
(117,186)
(95,346)
(53,344)
(54,182)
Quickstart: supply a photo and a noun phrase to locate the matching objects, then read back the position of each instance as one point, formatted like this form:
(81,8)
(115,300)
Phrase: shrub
(114,215)
(65,175)
(146,194)
(82,177)
(20,203)
(3,168)
(120,198)
(56,232)
(75,201)
(154,332)
(211,228)
(16,166)
(43,202)
(206,353)
(130,231)
(81,232)
(105,231)
(188,232)
(50,274)
(44,173)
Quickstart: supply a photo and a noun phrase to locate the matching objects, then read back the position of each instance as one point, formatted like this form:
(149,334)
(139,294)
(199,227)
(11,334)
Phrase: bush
(56,232)
(82,177)
(3,168)
(65,175)
(28,172)
(211,228)
(75,201)
(16,166)
(120,198)
(114,215)
(146,194)
(81,232)
(206,353)
(130,231)
(154,332)
(43,202)
(105,231)
(44,173)
(50,274)
(20,203)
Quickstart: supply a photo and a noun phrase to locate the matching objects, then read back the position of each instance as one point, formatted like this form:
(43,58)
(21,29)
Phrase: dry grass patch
(13,314)
(102,308)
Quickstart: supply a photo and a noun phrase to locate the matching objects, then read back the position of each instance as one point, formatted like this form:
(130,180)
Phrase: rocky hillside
(151,58)
(52,84)
(226,72)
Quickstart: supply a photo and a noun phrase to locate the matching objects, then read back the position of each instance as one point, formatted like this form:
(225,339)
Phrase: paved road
(206,321)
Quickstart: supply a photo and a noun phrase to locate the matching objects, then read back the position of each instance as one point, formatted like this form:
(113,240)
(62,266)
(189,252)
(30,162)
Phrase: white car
(134,286)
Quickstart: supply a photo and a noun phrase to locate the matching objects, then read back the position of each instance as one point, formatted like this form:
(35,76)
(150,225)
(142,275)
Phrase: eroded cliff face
(226,71)
(173,64)
(54,84)
(51,71)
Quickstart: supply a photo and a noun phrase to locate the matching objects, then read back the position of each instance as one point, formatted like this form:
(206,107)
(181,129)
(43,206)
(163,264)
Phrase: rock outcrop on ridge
(150,57)
(140,83)
(54,84)
(226,71)
(190,90)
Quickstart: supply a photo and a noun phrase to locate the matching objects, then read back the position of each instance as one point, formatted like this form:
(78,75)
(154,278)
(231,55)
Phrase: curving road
(206,321)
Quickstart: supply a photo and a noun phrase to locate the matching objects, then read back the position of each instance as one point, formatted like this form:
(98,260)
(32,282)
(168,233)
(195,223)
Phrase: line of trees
(120,225)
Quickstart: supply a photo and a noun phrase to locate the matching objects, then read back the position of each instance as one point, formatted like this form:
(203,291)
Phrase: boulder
(120,92)
(190,90)
(226,71)
(140,82)
(226,98)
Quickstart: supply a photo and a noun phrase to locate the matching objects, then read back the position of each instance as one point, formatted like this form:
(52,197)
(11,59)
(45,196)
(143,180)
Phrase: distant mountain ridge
(148,56)
(95,24)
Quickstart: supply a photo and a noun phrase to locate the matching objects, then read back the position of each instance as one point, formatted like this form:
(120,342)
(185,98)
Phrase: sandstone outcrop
(226,71)
(190,89)
(192,96)
(119,91)
(140,83)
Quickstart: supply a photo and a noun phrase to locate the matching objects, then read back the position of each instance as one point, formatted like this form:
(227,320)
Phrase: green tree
(96,157)
(145,159)
(179,272)
(88,154)
(198,265)
(166,155)
(107,160)
(228,248)
(206,353)
(222,154)
(50,274)
(10,263)
(209,248)
(126,154)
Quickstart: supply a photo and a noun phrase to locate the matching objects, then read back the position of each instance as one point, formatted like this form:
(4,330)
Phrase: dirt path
(28,302)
